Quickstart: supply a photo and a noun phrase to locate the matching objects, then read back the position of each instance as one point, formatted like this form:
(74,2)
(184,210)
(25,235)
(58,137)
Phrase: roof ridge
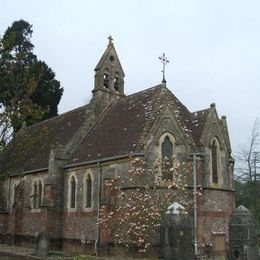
(201,110)
(141,92)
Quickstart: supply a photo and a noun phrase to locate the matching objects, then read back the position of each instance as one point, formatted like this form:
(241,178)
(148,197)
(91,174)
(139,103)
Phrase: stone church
(55,169)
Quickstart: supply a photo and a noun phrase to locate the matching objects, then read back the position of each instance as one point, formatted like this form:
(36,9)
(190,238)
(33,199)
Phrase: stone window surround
(219,164)
(13,186)
(88,173)
(159,151)
(73,174)
(37,180)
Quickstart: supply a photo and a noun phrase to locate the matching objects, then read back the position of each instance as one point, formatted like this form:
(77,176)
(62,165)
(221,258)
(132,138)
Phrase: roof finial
(164,61)
(110,40)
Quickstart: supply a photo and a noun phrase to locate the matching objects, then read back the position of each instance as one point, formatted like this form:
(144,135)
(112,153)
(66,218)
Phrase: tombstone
(176,234)
(42,244)
(242,235)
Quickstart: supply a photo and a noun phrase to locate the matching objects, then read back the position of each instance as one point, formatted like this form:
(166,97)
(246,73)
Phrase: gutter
(99,163)
(106,159)
(29,172)
(97,242)
(9,194)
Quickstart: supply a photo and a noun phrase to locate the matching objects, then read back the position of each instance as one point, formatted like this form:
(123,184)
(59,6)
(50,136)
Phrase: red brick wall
(215,208)
(3,222)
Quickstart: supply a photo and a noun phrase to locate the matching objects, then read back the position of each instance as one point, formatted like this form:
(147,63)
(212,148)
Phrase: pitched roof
(198,120)
(126,125)
(31,147)
(122,129)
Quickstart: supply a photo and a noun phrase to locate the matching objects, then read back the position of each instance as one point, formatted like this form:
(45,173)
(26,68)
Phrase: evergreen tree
(29,91)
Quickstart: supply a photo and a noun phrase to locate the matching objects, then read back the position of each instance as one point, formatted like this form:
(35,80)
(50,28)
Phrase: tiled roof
(198,120)
(31,148)
(126,125)
(122,129)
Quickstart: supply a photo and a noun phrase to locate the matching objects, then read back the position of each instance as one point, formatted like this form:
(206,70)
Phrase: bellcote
(109,74)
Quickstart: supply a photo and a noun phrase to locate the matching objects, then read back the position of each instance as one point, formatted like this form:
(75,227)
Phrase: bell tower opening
(106,79)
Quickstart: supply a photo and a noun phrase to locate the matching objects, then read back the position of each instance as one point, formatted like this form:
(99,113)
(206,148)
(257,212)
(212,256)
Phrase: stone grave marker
(42,244)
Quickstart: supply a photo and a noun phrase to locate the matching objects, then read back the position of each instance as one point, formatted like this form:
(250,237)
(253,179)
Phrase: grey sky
(213,48)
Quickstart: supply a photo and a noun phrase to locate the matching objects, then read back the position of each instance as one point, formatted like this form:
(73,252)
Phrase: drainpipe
(195,158)
(97,242)
(9,195)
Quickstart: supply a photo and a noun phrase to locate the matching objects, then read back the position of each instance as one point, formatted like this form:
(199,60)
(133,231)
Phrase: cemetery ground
(8,252)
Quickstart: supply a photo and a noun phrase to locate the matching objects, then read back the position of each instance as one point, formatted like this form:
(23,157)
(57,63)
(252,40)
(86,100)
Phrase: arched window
(215,161)
(88,193)
(116,84)
(34,195)
(72,196)
(13,197)
(116,81)
(37,191)
(167,148)
(167,157)
(39,197)
(106,79)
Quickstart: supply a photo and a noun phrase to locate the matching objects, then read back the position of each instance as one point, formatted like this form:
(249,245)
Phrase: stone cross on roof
(164,61)
(110,40)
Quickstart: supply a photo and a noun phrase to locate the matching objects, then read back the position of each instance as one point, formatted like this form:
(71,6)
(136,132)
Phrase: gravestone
(242,235)
(42,244)
(176,234)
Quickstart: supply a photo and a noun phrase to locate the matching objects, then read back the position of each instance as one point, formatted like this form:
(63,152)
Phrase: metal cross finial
(164,61)
(110,39)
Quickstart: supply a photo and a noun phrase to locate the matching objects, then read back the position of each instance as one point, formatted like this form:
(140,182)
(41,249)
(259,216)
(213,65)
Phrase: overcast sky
(213,48)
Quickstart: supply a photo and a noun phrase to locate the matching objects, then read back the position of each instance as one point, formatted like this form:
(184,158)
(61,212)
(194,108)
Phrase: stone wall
(79,226)
(81,223)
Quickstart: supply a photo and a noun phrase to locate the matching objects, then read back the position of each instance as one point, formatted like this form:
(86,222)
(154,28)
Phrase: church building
(55,169)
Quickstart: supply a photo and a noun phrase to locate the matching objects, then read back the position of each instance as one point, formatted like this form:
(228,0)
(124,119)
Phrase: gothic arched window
(167,154)
(37,191)
(116,81)
(34,195)
(39,195)
(116,84)
(167,148)
(72,195)
(13,194)
(215,160)
(88,191)
(106,79)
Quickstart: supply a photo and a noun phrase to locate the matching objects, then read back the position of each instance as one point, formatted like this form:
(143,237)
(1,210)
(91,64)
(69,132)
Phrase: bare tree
(248,173)
(248,158)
